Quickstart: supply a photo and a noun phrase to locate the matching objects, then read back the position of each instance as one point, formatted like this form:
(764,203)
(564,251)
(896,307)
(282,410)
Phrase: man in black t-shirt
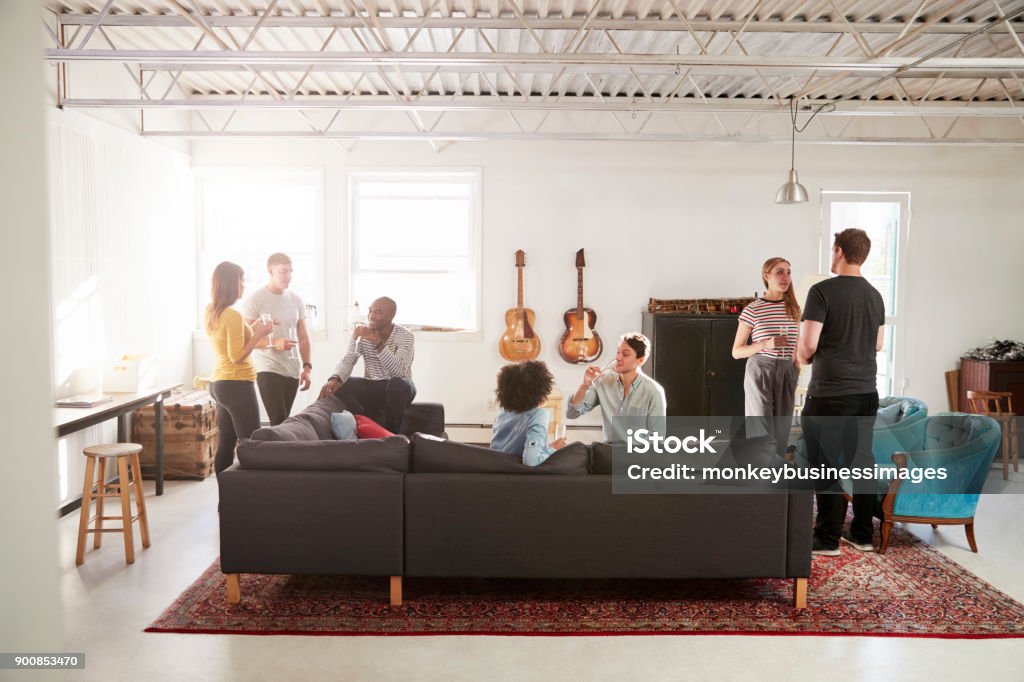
(842,330)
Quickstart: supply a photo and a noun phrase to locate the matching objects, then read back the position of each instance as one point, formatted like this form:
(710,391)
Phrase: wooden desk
(68,420)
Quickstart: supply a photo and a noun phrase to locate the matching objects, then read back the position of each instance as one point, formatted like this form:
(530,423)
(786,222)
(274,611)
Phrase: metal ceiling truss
(595,75)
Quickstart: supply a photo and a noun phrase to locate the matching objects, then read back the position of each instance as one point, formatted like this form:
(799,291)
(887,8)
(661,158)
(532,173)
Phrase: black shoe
(867,546)
(821,549)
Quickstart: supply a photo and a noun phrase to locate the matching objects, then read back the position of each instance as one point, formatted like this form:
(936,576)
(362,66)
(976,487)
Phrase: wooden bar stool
(999,406)
(126,456)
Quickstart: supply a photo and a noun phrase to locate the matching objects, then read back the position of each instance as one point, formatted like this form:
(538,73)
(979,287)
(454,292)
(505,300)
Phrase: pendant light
(792,192)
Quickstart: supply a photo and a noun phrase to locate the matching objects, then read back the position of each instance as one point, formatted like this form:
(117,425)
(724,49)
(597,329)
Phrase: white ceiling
(889,71)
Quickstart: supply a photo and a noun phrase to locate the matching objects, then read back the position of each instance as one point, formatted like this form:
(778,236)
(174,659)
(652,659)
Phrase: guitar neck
(579,293)
(519,294)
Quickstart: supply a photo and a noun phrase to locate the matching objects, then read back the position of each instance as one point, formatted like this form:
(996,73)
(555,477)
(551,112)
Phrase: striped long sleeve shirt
(392,360)
(768,319)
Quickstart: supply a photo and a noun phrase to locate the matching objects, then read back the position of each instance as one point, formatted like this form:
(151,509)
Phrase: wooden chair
(999,406)
(126,456)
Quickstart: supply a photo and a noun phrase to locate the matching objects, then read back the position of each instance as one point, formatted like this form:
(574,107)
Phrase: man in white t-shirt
(278,373)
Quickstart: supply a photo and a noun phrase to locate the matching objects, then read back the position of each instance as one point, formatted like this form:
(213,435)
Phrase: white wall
(682,220)
(123,226)
(29,596)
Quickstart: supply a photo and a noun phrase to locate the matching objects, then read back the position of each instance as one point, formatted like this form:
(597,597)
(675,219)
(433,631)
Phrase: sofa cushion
(385,455)
(290,430)
(313,423)
(601,457)
(889,415)
(367,428)
(318,415)
(343,425)
(434,455)
(423,418)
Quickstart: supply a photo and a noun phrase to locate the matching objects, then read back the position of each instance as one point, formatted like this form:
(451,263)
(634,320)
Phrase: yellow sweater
(228,338)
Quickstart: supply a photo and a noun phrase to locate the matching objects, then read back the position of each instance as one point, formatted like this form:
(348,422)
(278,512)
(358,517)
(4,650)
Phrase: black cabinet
(692,360)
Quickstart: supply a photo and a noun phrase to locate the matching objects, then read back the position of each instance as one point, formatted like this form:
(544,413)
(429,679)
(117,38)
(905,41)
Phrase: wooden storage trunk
(190,436)
(191,412)
(185,456)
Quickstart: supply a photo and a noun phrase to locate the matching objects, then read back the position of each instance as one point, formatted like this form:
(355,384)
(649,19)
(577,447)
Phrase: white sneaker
(862,546)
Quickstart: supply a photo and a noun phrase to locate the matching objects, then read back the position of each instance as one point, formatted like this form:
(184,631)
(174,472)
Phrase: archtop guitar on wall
(580,343)
(520,341)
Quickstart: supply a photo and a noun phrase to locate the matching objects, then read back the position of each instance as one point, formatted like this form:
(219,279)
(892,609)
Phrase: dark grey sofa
(430,507)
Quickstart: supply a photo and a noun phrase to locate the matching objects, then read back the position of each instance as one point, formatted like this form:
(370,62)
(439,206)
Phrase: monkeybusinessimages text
(645,441)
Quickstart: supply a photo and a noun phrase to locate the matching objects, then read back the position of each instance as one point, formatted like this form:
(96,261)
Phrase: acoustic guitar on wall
(520,341)
(580,343)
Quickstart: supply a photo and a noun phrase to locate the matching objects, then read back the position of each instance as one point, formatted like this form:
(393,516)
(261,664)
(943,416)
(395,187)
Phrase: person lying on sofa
(522,426)
(387,350)
(624,392)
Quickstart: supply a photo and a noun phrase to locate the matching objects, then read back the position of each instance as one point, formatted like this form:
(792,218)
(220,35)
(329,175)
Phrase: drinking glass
(293,353)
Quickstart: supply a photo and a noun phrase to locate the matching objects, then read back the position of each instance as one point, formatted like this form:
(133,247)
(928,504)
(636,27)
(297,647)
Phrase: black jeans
(278,395)
(384,399)
(838,431)
(238,415)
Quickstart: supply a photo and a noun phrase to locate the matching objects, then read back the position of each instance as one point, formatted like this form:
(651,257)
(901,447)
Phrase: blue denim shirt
(523,433)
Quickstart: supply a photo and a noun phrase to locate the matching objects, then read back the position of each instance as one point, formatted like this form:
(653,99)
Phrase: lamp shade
(805,285)
(792,192)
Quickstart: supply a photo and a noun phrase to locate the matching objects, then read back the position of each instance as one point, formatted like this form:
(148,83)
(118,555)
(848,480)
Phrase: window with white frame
(886,219)
(415,237)
(247,214)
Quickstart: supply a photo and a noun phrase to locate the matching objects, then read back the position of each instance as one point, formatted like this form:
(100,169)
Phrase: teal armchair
(963,446)
(899,427)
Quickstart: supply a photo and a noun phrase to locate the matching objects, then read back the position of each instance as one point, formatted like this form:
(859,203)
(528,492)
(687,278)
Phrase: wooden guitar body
(519,342)
(580,343)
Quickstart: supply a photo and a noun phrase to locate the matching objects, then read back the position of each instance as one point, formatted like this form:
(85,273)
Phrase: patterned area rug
(912,591)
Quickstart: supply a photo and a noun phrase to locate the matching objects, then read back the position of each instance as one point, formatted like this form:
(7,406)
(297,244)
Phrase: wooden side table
(555,405)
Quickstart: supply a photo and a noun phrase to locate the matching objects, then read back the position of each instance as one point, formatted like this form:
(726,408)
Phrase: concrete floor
(107,604)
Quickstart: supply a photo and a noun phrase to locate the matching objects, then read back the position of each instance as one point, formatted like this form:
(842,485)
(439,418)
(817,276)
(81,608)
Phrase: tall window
(415,237)
(246,215)
(886,218)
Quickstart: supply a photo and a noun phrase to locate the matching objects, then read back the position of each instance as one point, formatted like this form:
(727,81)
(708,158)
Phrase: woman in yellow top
(233,383)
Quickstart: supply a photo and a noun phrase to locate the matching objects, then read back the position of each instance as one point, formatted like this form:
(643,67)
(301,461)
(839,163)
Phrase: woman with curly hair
(522,426)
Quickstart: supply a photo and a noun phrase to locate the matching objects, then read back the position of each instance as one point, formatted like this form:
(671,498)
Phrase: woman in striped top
(766,336)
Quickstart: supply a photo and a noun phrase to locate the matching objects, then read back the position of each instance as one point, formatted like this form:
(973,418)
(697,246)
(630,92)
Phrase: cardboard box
(130,373)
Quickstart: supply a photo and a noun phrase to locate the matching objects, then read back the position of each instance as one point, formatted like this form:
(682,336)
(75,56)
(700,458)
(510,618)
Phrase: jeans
(834,441)
(278,395)
(238,415)
(383,400)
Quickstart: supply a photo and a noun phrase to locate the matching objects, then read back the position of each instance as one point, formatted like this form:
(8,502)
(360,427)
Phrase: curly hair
(523,386)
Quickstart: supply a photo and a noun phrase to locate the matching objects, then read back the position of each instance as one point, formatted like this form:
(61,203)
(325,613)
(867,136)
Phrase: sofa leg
(233,589)
(970,537)
(396,590)
(800,593)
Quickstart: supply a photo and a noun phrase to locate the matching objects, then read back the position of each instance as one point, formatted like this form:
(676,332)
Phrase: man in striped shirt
(387,350)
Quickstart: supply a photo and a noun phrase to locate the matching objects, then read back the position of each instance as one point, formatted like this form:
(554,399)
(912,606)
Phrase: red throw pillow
(367,428)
